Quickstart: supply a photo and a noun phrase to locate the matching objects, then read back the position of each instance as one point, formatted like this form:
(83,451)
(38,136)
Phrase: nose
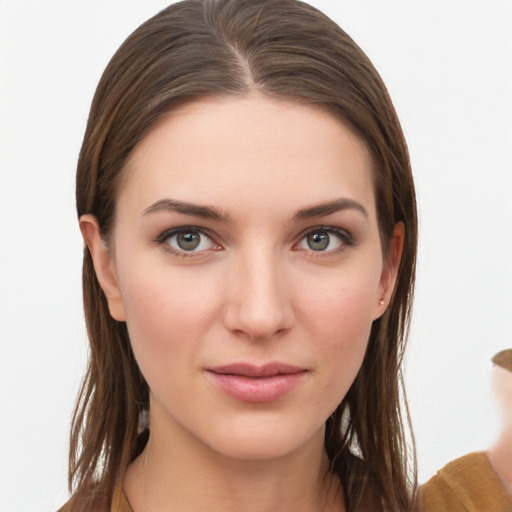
(258,305)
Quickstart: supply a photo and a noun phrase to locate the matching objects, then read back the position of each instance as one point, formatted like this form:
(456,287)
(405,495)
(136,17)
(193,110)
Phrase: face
(246,261)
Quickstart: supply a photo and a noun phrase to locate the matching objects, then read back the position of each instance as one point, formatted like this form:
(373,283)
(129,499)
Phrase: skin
(253,291)
(500,454)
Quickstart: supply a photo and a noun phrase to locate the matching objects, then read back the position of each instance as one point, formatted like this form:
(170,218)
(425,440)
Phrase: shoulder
(467,484)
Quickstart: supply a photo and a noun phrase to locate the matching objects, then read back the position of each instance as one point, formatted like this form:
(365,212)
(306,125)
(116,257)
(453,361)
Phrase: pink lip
(257,384)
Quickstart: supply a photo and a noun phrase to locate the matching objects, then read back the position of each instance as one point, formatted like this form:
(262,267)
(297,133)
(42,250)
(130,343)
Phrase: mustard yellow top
(468,484)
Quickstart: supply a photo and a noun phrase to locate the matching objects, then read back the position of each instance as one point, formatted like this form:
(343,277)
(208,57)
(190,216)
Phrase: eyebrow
(171,205)
(324,209)
(210,212)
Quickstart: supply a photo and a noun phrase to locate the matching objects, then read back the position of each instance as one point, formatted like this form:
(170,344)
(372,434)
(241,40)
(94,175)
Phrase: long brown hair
(284,49)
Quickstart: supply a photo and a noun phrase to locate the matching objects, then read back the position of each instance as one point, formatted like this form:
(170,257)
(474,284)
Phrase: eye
(325,240)
(186,241)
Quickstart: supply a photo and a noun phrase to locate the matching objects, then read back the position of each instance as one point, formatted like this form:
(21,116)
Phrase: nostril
(259,322)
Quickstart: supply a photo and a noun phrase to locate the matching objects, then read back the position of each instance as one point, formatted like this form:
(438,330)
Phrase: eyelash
(346,240)
(166,235)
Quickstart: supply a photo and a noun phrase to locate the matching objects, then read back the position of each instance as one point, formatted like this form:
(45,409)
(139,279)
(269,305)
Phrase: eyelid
(344,235)
(182,229)
(168,233)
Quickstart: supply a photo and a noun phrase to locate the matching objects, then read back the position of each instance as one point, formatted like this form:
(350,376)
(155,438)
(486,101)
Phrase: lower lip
(257,389)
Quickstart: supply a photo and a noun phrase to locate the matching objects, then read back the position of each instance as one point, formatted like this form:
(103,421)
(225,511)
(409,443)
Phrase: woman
(480,480)
(500,454)
(245,194)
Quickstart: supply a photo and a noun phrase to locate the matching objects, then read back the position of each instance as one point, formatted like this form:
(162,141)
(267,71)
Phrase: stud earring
(381,303)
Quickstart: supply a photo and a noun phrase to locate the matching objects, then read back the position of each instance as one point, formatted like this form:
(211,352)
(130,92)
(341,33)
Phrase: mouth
(257,384)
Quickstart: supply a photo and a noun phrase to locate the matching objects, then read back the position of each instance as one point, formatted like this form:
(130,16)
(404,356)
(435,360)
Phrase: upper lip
(251,370)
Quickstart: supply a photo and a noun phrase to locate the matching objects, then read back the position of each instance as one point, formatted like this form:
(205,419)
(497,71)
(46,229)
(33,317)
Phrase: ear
(104,266)
(390,270)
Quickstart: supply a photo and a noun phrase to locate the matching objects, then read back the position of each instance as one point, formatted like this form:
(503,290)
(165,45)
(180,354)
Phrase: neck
(500,456)
(185,476)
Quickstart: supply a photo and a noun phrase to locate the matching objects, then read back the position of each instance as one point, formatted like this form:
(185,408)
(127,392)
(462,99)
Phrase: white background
(448,66)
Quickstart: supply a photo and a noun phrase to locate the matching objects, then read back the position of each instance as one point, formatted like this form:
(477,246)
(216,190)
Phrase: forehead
(224,149)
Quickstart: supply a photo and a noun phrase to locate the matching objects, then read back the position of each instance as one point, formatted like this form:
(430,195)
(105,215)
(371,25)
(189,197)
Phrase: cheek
(341,317)
(344,343)
(168,316)
(341,305)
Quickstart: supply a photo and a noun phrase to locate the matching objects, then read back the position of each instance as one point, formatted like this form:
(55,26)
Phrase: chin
(267,440)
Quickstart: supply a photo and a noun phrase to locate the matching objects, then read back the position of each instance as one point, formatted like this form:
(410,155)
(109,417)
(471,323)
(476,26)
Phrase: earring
(381,303)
